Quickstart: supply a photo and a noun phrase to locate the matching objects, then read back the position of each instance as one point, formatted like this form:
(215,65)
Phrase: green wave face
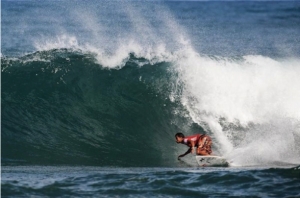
(62,107)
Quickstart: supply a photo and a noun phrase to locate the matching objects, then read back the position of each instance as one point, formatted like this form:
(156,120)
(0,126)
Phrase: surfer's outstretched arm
(187,152)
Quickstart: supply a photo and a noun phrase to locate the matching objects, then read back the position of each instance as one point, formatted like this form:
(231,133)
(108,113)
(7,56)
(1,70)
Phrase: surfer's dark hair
(179,135)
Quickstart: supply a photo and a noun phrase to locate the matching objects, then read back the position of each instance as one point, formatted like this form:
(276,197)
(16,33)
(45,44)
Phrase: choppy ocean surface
(52,181)
(92,93)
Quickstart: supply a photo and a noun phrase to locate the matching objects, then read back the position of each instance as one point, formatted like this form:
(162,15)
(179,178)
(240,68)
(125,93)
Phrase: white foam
(154,36)
(250,93)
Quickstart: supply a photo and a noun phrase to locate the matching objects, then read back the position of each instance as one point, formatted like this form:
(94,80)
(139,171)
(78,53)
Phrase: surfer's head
(179,137)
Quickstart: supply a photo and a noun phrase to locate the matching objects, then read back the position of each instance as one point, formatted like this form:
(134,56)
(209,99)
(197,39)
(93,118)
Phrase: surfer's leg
(206,148)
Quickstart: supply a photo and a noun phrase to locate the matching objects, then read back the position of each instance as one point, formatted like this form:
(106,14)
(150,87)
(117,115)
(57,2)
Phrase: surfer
(201,141)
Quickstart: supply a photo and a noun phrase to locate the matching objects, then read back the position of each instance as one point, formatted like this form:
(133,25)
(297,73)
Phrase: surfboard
(211,160)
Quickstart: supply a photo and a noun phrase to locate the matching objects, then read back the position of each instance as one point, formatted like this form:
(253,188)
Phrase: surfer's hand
(180,156)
